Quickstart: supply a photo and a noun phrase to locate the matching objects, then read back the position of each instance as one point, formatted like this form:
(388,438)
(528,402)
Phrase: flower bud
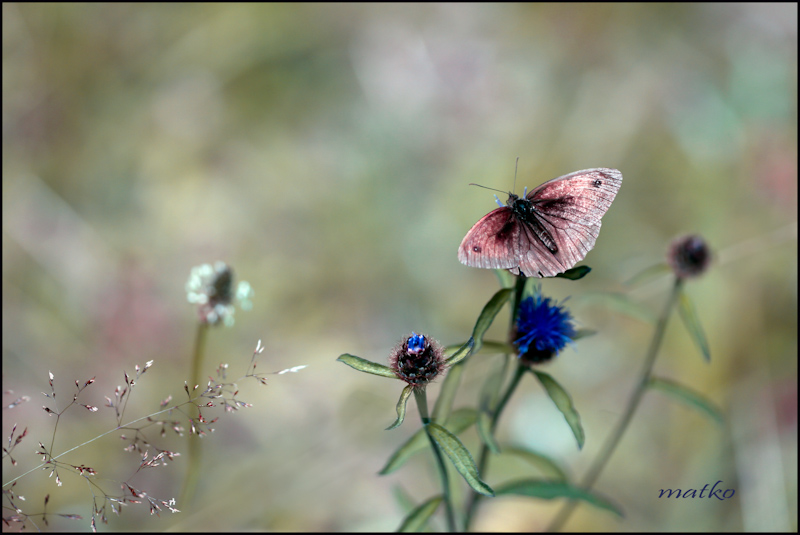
(417,360)
(211,289)
(689,256)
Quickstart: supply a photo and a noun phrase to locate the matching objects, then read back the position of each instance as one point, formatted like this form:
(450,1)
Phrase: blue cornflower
(543,328)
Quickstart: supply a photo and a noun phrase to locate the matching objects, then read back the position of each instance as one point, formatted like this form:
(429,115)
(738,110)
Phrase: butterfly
(544,232)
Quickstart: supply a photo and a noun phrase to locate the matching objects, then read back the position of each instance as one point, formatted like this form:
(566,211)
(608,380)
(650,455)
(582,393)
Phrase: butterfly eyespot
(476,249)
(598,183)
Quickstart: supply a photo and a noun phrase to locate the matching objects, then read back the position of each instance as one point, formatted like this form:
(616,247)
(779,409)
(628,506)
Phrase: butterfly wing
(569,209)
(492,242)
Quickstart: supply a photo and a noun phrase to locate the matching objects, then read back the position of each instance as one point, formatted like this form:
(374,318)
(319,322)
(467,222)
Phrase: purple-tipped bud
(417,360)
(416,343)
(689,256)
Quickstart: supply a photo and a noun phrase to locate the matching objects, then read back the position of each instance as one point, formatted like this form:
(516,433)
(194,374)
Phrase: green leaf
(649,273)
(488,314)
(403,499)
(692,323)
(418,518)
(453,350)
(367,366)
(460,457)
(490,391)
(619,302)
(575,273)
(458,421)
(484,428)
(583,333)
(401,407)
(564,403)
(548,490)
(489,347)
(689,397)
(444,402)
(463,352)
(549,468)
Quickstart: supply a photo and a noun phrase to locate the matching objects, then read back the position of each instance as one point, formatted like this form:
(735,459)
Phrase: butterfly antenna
(516,165)
(486,187)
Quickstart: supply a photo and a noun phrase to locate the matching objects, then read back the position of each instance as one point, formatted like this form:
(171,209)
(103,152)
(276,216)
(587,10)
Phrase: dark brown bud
(417,360)
(689,256)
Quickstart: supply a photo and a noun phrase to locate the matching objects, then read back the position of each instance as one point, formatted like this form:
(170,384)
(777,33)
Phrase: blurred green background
(325,152)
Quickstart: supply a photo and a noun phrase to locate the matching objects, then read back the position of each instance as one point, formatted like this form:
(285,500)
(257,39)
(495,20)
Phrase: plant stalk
(422,405)
(194,448)
(612,442)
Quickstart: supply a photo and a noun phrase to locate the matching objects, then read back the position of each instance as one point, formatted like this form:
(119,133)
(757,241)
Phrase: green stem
(422,405)
(484,457)
(194,449)
(519,290)
(518,373)
(612,442)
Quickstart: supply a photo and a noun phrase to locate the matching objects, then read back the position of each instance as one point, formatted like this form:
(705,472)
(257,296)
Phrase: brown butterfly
(544,232)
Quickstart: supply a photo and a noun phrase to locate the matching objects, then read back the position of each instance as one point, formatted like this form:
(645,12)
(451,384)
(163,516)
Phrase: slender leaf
(649,273)
(548,490)
(488,314)
(401,407)
(546,465)
(418,518)
(484,427)
(462,353)
(689,397)
(458,421)
(619,302)
(367,366)
(563,402)
(460,457)
(489,347)
(403,499)
(688,314)
(444,402)
(490,391)
(575,273)
(583,333)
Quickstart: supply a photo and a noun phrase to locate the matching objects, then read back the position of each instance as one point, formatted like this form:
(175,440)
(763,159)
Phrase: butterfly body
(546,231)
